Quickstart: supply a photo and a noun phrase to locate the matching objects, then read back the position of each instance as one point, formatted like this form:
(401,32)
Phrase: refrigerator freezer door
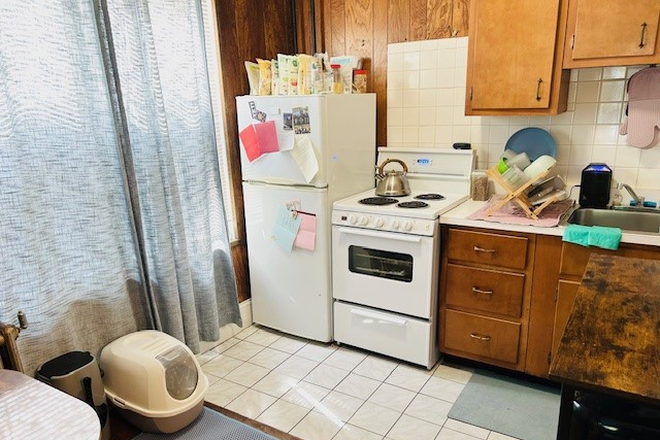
(342,130)
(290,290)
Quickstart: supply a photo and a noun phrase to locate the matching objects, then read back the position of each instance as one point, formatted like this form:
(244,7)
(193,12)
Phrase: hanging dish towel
(643,122)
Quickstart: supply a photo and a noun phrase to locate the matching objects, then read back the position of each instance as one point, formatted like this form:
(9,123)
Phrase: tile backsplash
(425,100)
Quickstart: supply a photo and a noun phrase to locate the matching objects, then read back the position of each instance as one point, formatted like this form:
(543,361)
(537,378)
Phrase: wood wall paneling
(398,21)
(460,14)
(440,15)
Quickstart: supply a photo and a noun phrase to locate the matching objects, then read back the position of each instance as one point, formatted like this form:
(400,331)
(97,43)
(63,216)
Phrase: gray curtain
(111,208)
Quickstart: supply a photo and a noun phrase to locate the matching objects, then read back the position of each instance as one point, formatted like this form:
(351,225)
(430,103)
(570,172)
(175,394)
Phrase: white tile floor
(324,391)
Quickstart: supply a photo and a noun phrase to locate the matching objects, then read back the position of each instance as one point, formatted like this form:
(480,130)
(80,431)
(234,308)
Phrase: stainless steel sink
(627,220)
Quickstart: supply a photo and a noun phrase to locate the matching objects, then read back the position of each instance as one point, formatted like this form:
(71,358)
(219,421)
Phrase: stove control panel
(389,223)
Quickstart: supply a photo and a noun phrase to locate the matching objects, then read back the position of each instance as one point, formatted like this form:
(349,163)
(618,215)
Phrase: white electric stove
(385,256)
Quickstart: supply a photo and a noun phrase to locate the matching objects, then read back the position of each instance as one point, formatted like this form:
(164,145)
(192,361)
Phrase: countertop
(458,217)
(33,410)
(611,341)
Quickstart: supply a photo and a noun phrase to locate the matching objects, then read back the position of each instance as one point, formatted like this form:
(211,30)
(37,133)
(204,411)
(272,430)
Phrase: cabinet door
(512,54)
(566,293)
(612,32)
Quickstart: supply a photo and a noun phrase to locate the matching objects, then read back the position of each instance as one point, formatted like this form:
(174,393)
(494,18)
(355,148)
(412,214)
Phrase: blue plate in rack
(534,141)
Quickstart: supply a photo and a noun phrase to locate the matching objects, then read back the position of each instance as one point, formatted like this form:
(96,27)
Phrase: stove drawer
(482,336)
(492,249)
(399,336)
(484,290)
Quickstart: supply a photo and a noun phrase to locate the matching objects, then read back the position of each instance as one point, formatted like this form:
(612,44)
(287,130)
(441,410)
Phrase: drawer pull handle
(484,250)
(481,291)
(480,337)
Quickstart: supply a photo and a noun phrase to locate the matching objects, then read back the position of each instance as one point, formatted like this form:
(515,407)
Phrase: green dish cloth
(606,238)
(577,234)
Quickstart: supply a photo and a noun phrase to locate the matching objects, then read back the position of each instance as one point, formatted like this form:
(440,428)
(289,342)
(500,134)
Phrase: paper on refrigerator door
(305,157)
(306,238)
(286,227)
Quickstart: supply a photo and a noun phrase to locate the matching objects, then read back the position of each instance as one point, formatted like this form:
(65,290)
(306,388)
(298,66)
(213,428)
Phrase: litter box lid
(152,373)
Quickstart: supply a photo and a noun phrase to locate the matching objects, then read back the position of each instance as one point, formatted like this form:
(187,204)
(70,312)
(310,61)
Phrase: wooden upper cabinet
(514,57)
(612,33)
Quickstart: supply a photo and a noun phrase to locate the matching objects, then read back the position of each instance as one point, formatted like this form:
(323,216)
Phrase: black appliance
(595,186)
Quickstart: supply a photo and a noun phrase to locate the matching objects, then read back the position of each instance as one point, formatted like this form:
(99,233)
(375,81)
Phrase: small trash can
(77,373)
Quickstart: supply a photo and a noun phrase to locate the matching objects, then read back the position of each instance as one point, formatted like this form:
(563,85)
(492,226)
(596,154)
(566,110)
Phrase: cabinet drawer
(485,290)
(482,336)
(497,250)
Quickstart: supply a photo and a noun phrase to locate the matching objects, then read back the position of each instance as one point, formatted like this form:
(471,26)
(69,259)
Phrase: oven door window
(381,264)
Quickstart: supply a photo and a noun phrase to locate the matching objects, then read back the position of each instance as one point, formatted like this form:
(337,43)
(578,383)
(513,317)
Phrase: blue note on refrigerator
(286,228)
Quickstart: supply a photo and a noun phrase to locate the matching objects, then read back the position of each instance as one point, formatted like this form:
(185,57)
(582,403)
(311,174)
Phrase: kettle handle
(382,165)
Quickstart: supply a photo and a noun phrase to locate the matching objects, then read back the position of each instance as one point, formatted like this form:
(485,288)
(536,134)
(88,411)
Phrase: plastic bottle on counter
(479,186)
(337,83)
(360,81)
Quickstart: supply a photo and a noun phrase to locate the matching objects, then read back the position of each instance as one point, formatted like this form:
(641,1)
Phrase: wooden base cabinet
(612,33)
(485,293)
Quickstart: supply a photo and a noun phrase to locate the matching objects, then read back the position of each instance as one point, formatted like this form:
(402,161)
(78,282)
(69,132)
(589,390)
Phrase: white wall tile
(411,80)
(612,91)
(410,117)
(412,46)
(428,60)
(627,157)
(446,58)
(614,72)
(446,78)
(609,113)
(587,91)
(606,134)
(411,60)
(426,96)
(394,62)
(411,98)
(427,79)
(590,74)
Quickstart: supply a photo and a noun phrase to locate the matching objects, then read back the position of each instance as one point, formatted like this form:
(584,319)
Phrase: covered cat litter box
(154,381)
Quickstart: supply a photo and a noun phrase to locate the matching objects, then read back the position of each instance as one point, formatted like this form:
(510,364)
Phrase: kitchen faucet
(639,201)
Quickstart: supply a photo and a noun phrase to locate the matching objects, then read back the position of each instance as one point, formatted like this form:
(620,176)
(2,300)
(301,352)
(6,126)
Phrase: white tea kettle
(392,183)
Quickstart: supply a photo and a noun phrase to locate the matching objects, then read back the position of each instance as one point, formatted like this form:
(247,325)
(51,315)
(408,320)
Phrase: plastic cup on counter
(519,160)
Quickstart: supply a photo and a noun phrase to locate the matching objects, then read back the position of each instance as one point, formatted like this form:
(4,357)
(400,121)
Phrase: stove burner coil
(412,205)
(430,196)
(379,201)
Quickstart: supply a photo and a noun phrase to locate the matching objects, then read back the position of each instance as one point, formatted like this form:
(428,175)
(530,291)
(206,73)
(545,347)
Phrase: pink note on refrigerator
(267,135)
(250,142)
(306,238)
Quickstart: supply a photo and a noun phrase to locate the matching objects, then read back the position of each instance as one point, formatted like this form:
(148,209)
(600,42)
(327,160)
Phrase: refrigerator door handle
(365,233)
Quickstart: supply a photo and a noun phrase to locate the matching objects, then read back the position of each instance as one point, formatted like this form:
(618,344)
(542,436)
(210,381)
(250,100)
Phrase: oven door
(385,270)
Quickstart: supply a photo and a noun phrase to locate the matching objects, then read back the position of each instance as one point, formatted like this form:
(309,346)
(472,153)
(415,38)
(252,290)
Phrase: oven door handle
(365,233)
(372,315)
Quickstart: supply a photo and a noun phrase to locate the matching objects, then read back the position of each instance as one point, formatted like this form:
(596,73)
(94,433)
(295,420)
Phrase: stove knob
(352,219)
(364,220)
(395,224)
(379,222)
(407,225)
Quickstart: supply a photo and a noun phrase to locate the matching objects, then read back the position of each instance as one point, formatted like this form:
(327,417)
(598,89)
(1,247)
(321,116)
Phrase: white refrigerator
(326,147)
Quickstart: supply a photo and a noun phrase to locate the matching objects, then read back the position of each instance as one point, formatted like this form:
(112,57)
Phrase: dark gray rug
(516,408)
(211,425)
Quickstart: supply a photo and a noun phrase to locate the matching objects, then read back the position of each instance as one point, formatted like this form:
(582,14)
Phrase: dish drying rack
(518,195)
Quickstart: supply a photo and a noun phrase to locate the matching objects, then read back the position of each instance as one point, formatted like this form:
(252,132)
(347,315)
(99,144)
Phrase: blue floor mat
(211,425)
